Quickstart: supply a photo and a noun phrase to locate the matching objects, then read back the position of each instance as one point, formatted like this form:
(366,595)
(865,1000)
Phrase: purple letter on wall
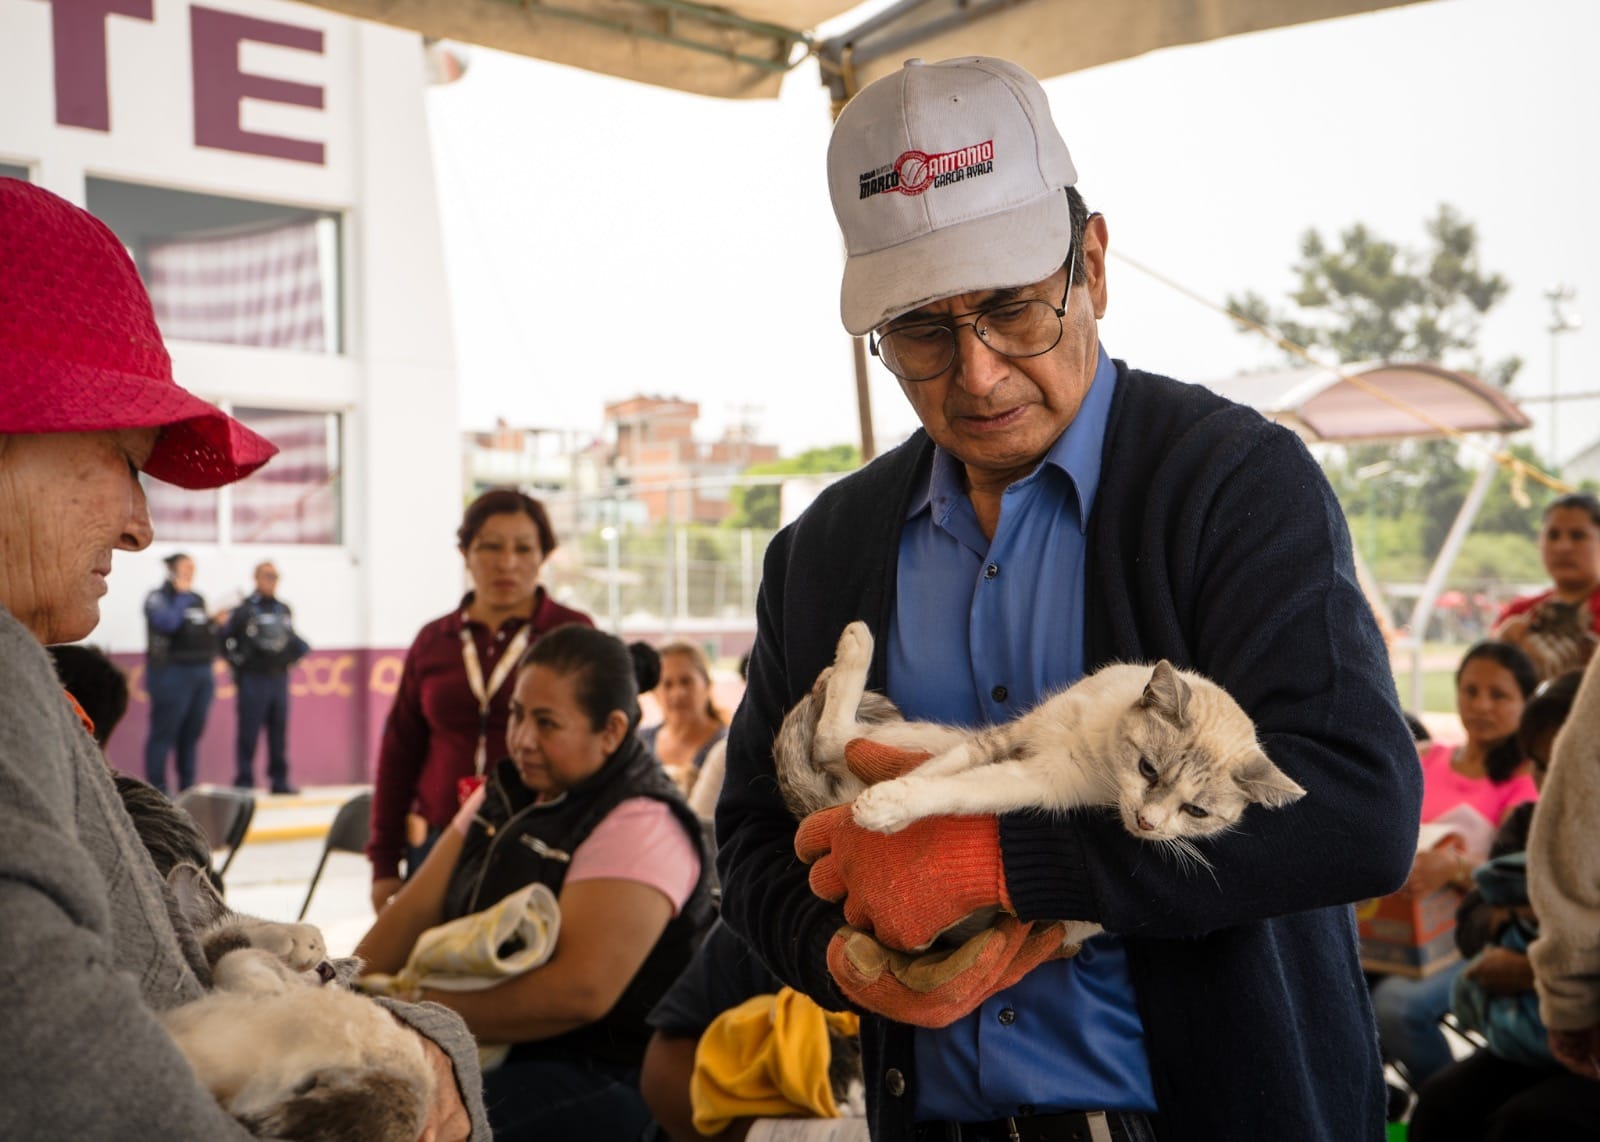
(78,33)
(219,85)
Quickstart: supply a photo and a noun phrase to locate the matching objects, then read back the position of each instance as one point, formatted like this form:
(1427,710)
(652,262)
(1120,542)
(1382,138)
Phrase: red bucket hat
(80,351)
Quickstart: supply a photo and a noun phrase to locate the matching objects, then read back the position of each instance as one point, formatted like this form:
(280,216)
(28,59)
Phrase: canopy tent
(743,49)
(1368,403)
(1361,404)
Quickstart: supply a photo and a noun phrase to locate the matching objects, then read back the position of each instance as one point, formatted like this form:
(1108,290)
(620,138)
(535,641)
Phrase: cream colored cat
(279,1041)
(1169,750)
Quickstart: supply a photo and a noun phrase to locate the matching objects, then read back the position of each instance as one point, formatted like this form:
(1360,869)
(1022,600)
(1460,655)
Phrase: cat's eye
(1147,771)
(1195,811)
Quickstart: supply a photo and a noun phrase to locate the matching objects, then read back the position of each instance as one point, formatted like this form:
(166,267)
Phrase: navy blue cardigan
(1214,542)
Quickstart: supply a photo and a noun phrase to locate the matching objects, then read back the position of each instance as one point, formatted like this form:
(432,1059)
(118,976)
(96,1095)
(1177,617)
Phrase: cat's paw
(885,808)
(299,945)
(854,652)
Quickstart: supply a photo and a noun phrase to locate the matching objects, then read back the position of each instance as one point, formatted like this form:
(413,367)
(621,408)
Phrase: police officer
(261,645)
(183,640)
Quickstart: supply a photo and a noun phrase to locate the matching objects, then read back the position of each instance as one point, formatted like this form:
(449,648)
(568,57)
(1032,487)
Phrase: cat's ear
(1167,694)
(198,898)
(1266,784)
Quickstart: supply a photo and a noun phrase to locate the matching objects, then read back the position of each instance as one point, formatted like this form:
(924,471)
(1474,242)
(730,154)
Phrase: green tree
(1367,298)
(758,505)
(1370,299)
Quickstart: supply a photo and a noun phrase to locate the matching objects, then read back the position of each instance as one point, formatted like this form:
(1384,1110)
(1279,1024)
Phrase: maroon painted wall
(338,700)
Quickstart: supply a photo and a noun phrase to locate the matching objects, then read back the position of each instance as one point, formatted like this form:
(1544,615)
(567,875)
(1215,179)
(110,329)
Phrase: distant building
(657,458)
(1584,468)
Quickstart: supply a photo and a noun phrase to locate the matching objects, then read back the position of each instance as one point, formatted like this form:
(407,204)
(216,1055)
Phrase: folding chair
(223,815)
(351,827)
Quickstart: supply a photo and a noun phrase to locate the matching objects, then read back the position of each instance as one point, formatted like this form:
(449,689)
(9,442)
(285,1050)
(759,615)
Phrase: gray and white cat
(1169,750)
(280,1041)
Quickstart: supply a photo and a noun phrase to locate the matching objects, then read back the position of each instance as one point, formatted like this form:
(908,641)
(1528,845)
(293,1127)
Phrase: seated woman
(1512,1089)
(582,807)
(691,723)
(1569,547)
(1487,774)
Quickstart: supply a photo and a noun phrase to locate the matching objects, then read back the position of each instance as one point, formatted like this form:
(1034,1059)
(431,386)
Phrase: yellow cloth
(466,954)
(766,1058)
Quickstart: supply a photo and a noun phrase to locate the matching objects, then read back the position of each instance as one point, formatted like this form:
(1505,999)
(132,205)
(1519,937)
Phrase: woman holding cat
(691,723)
(1569,547)
(448,721)
(90,956)
(1486,774)
(581,806)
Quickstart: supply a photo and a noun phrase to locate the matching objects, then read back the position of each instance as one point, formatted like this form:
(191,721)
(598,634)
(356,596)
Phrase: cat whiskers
(1187,855)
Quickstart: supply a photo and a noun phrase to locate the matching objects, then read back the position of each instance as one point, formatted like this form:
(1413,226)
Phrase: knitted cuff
(1044,868)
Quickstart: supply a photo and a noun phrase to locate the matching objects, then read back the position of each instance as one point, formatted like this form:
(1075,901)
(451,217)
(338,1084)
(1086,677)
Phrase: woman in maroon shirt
(448,722)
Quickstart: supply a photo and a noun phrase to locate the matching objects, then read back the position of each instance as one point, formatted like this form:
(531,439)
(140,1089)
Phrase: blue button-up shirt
(983,630)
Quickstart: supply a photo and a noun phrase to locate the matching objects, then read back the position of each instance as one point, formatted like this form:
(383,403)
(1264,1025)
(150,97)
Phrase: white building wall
(394,384)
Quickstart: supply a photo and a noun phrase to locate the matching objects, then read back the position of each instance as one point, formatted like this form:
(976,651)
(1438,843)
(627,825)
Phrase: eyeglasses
(1017,329)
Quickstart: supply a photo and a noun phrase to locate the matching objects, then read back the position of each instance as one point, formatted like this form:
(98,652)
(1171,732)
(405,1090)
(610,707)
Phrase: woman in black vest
(584,808)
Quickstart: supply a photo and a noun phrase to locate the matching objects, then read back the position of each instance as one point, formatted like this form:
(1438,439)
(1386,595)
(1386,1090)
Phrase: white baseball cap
(946,178)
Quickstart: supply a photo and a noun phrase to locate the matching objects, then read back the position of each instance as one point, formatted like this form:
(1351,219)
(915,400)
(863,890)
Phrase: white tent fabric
(743,49)
(1386,401)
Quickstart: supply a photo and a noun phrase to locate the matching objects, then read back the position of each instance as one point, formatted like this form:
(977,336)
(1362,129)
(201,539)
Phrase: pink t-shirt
(1443,789)
(639,840)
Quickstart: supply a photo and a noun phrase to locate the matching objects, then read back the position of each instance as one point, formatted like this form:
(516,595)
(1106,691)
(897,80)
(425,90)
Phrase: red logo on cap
(917,171)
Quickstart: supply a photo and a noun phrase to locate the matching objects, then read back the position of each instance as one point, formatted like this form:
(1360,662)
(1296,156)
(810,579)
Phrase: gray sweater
(88,950)
(1564,869)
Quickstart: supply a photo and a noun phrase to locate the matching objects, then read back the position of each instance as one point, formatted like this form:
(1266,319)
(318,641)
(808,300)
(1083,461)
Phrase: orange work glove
(907,887)
(937,988)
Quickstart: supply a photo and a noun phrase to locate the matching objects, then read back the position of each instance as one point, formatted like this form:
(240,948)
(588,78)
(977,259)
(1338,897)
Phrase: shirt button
(894,1082)
(991,571)
(999,693)
(1007,1017)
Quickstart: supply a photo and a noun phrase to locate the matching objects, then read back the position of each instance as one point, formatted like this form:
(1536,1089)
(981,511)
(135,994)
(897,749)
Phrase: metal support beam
(1445,560)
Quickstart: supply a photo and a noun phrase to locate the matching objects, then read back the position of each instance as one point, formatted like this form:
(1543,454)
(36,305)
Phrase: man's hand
(937,988)
(1578,1051)
(448,1120)
(908,887)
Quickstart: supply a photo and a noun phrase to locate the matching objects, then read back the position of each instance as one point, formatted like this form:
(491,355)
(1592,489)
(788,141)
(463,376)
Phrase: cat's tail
(808,780)
(346,1104)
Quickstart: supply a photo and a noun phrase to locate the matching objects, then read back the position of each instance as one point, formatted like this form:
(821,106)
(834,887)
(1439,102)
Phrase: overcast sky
(606,238)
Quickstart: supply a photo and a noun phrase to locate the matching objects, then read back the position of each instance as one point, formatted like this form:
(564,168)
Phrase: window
(11,170)
(230,270)
(178,514)
(295,499)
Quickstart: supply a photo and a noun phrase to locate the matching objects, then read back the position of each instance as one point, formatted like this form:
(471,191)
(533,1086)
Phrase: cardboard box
(1409,935)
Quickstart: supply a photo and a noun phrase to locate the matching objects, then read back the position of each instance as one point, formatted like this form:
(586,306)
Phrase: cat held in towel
(282,1043)
(1169,750)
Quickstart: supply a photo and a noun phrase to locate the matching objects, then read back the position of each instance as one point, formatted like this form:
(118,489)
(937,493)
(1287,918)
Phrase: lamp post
(1562,320)
(613,586)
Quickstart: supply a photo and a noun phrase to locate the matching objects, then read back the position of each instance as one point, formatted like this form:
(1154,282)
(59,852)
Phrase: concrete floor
(269,876)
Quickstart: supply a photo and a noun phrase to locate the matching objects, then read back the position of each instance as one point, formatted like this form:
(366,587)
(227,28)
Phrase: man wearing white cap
(1059,511)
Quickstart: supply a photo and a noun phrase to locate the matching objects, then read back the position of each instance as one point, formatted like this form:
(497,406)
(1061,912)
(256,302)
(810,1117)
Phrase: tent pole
(1446,559)
(843,86)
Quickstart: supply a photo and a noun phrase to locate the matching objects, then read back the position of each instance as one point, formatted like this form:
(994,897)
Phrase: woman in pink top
(582,807)
(1489,774)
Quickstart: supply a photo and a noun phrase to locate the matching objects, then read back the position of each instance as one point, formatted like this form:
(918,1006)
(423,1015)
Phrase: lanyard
(469,658)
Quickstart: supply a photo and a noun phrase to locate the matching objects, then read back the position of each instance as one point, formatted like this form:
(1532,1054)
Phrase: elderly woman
(88,951)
